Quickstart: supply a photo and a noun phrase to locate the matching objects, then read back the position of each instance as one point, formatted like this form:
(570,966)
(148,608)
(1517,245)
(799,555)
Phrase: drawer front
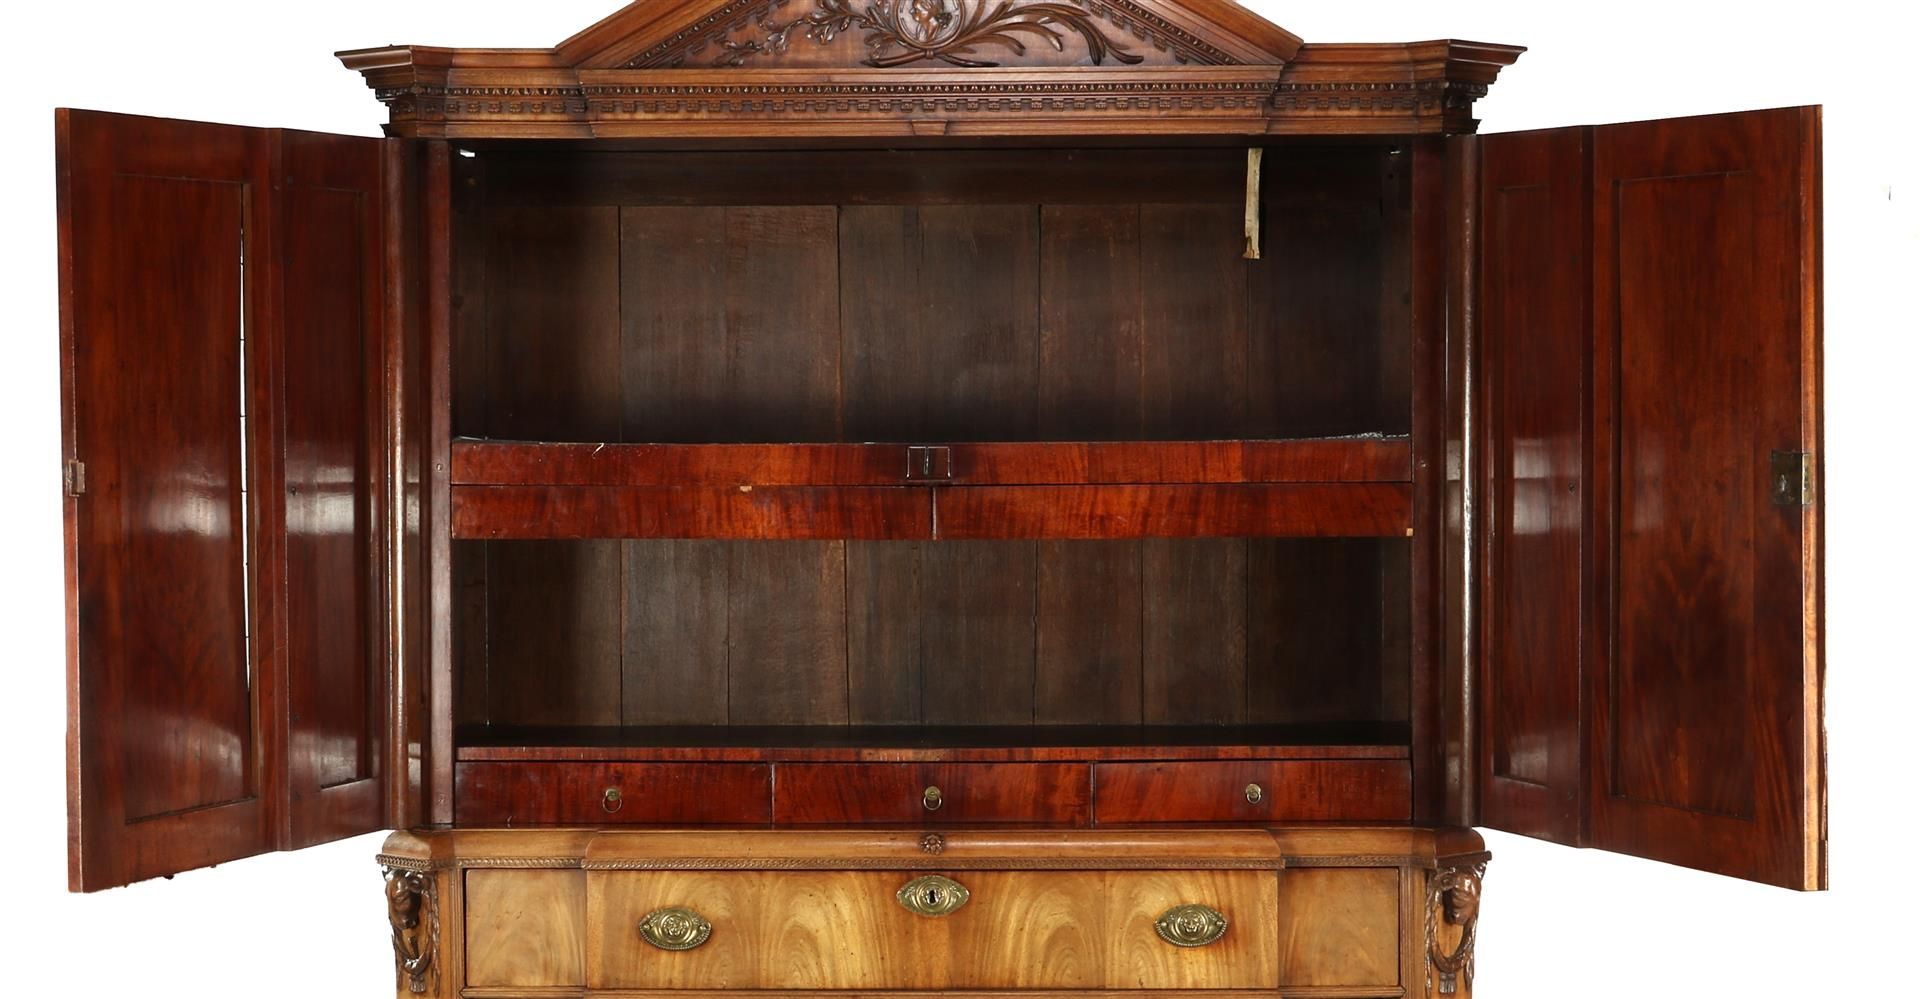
(526,928)
(1255,791)
(524,794)
(1017,930)
(937,793)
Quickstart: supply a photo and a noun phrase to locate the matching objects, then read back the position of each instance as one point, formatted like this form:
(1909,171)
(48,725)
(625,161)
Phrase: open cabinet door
(220,306)
(1652,649)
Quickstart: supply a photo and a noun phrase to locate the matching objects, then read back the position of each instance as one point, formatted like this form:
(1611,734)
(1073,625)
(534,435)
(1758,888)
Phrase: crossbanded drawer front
(840,930)
(546,794)
(932,793)
(1254,791)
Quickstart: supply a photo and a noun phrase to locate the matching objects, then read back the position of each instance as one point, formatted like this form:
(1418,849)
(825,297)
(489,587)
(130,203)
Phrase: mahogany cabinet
(1048,495)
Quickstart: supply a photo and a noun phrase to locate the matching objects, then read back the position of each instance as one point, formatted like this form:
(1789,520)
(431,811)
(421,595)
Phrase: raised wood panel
(827,794)
(526,929)
(1706,745)
(1289,791)
(1534,280)
(846,930)
(546,794)
(1340,928)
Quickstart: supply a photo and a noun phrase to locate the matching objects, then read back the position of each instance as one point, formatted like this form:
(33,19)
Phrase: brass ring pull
(931,799)
(675,929)
(933,895)
(1255,793)
(611,801)
(1191,926)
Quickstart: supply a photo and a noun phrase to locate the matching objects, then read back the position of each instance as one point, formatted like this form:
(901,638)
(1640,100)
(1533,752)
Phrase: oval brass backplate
(933,895)
(675,929)
(1191,926)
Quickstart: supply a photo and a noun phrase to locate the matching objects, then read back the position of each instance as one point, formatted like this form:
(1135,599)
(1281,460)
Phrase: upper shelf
(1339,487)
(680,69)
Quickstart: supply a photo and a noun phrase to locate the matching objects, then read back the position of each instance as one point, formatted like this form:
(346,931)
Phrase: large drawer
(840,930)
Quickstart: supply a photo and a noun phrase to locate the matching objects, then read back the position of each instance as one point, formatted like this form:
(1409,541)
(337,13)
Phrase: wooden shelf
(1332,487)
(910,744)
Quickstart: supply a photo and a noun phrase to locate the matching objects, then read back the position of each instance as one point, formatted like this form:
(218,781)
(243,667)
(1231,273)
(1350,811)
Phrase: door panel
(211,511)
(1533,328)
(1650,315)
(1706,716)
(331,301)
(167,737)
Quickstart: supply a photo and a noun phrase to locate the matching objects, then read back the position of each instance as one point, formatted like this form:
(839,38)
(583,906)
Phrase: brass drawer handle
(932,799)
(675,929)
(1255,793)
(933,895)
(611,801)
(1191,926)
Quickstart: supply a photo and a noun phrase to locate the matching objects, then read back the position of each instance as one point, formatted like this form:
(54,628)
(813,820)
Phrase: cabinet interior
(926,298)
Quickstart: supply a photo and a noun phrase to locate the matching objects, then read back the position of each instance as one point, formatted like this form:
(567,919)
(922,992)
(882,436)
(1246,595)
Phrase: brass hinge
(929,464)
(1792,476)
(74,478)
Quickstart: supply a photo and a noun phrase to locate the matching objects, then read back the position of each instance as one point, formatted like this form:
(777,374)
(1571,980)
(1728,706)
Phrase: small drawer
(932,793)
(850,930)
(1255,791)
(535,794)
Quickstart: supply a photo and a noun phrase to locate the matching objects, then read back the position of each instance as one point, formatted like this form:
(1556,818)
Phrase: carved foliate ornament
(1453,898)
(965,33)
(413,908)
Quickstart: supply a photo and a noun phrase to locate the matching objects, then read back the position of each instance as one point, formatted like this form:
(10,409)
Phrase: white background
(1557,922)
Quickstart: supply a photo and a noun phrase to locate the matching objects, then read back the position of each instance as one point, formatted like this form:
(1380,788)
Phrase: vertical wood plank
(1090,324)
(1313,641)
(553,323)
(884,632)
(470,626)
(977,632)
(673,351)
(787,628)
(783,324)
(674,633)
(1193,306)
(554,647)
(1088,625)
(1194,632)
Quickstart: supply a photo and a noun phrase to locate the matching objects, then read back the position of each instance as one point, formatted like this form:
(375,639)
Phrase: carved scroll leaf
(903,32)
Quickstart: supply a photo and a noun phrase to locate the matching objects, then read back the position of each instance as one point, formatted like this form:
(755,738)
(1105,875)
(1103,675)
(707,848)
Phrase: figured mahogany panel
(525,928)
(1102,512)
(331,297)
(169,704)
(773,513)
(1339,927)
(826,929)
(831,793)
(1288,791)
(1706,713)
(1534,280)
(1338,459)
(535,794)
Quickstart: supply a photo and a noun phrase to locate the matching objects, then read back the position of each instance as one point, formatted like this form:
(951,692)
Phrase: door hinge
(74,478)
(929,464)
(1792,477)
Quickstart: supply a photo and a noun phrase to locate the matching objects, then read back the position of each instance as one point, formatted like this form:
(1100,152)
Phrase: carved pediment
(883,34)
(700,69)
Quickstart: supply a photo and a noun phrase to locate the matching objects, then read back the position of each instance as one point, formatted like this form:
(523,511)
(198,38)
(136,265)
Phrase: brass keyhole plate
(933,895)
